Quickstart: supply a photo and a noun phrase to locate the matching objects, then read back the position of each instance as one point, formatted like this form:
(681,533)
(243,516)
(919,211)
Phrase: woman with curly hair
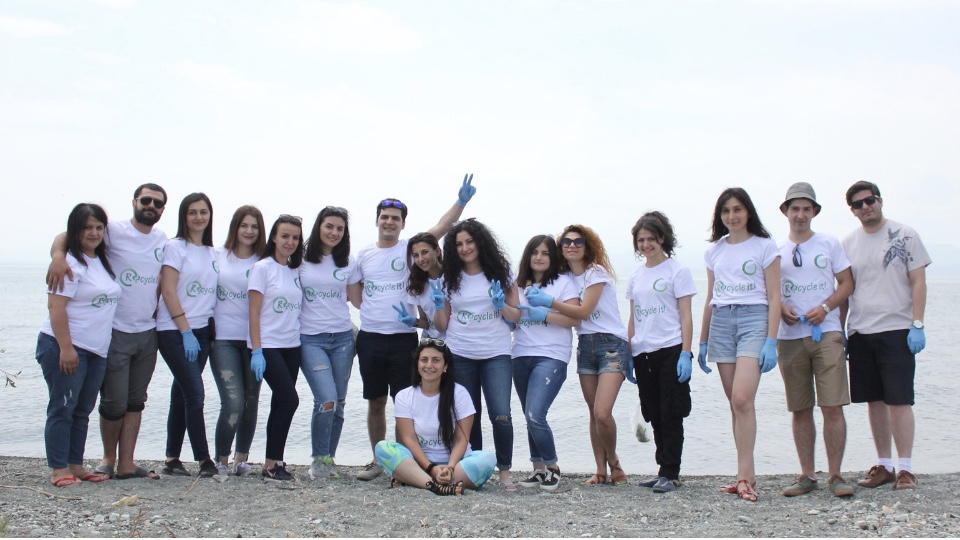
(480,298)
(603,353)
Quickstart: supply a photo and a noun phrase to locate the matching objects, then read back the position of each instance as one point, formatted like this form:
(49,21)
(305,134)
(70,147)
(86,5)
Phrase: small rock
(832,521)
(901,518)
(87,513)
(113,516)
(888,510)
(744,519)
(812,512)
(38,532)
(99,518)
(643,520)
(221,478)
(893,531)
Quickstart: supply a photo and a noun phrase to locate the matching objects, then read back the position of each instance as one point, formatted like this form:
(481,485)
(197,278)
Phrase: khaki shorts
(804,362)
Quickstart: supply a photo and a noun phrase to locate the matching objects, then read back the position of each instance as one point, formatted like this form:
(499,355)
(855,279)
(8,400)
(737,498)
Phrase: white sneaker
(222,469)
(370,471)
(242,468)
(323,467)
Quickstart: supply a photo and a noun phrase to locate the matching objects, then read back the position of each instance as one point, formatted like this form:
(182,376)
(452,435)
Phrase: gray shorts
(131,360)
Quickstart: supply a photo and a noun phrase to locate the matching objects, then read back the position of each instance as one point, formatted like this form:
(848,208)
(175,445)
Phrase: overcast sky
(565,111)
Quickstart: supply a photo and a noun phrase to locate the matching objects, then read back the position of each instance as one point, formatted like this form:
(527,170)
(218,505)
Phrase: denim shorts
(736,332)
(602,353)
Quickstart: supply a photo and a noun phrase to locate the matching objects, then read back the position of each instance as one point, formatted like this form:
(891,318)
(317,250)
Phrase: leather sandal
(615,478)
(445,489)
(597,479)
(732,488)
(746,493)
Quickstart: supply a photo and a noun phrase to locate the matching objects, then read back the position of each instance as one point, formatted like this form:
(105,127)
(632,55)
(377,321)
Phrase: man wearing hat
(815,279)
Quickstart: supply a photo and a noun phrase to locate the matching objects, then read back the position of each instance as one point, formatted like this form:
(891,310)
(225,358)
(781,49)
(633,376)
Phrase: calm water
(708,448)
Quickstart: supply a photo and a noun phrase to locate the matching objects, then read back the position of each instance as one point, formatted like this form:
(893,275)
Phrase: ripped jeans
(492,376)
(326,363)
(538,380)
(239,396)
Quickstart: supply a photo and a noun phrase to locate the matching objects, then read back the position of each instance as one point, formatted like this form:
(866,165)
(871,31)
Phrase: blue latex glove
(631,375)
(768,355)
(684,366)
(702,358)
(467,191)
(191,347)
(916,340)
(816,334)
(436,294)
(538,298)
(536,314)
(496,295)
(404,316)
(258,364)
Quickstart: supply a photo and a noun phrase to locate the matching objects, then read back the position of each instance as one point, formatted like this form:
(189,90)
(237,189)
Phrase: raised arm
(451,216)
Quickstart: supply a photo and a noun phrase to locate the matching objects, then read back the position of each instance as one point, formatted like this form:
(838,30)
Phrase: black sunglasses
(797,258)
(869,201)
(287,218)
(146,200)
(432,341)
(567,242)
(334,211)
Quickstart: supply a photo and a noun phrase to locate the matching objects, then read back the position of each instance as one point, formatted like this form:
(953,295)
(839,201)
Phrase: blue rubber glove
(916,340)
(436,294)
(702,358)
(817,333)
(404,316)
(631,374)
(191,347)
(536,314)
(684,366)
(258,364)
(496,295)
(466,191)
(538,298)
(768,355)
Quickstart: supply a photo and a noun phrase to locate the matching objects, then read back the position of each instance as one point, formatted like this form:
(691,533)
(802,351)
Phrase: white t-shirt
(882,298)
(411,403)
(232,312)
(541,338)
(424,302)
(656,310)
(196,284)
(280,311)
(805,287)
(476,330)
(136,259)
(94,297)
(384,274)
(325,309)
(605,318)
(738,270)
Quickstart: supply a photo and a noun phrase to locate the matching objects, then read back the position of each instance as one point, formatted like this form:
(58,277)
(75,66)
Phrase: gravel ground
(252,507)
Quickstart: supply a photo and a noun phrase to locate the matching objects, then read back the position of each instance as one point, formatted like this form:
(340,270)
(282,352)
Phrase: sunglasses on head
(287,218)
(869,201)
(146,200)
(797,258)
(432,341)
(567,242)
(392,203)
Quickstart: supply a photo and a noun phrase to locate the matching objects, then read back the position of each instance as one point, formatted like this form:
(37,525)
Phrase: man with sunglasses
(885,329)
(815,280)
(135,251)
(384,343)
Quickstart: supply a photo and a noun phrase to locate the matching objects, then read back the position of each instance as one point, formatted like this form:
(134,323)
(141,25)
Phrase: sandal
(747,493)
(509,486)
(396,483)
(140,472)
(732,488)
(104,469)
(597,479)
(445,489)
(94,478)
(65,481)
(617,479)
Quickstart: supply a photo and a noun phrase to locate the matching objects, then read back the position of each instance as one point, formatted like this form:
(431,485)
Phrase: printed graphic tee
(476,330)
(324,284)
(280,311)
(94,297)
(539,338)
(411,403)
(605,318)
(136,259)
(384,274)
(807,286)
(196,284)
(656,312)
(738,270)
(232,311)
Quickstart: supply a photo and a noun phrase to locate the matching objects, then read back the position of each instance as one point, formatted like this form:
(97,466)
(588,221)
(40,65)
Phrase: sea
(708,444)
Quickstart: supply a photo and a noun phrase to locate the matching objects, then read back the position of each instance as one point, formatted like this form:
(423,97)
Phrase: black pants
(664,403)
(283,365)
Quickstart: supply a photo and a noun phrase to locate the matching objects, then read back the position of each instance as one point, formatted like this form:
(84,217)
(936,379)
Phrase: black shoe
(445,489)
(649,483)
(551,481)
(175,468)
(534,481)
(208,469)
(277,472)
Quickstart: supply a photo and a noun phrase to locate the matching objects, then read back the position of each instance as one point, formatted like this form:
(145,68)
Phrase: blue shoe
(664,485)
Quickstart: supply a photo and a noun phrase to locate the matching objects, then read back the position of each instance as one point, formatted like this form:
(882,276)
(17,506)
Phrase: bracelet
(177,316)
(430,467)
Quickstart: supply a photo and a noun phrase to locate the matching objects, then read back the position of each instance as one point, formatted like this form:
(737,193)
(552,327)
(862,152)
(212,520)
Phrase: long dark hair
(447,406)
(76,222)
(418,278)
(658,224)
(493,260)
(754,226)
(341,251)
(232,242)
(525,274)
(296,258)
(183,230)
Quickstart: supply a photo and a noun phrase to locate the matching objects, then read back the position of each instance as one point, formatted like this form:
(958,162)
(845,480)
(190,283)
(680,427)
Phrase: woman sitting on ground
(434,417)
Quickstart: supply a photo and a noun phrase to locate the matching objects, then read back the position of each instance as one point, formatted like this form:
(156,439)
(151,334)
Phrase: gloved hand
(258,364)
(404,316)
(191,347)
(536,314)
(768,355)
(684,366)
(538,298)
(466,191)
(916,340)
(496,295)
(702,358)
(631,373)
(436,294)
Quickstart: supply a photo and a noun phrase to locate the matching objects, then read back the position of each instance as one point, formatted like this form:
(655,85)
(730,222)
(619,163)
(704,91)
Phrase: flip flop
(104,469)
(94,477)
(139,473)
(65,481)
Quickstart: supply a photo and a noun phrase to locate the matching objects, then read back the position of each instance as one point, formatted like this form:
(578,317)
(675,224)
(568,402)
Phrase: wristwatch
(825,307)
(917,324)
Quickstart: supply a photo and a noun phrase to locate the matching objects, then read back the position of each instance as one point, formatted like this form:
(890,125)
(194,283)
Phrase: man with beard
(135,251)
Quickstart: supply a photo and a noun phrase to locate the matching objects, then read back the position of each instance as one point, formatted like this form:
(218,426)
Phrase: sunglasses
(432,341)
(869,201)
(287,218)
(567,242)
(392,203)
(797,258)
(147,201)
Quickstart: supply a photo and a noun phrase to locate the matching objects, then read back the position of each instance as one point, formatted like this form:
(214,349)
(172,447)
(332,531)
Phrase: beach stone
(813,512)
(893,531)
(99,518)
(832,521)
(744,519)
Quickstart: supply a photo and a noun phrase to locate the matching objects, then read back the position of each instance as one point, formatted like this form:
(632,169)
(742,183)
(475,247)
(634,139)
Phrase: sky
(587,112)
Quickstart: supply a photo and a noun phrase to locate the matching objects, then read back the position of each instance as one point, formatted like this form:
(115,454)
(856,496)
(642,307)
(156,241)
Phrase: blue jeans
(239,396)
(186,394)
(493,376)
(538,381)
(737,331)
(72,398)
(326,362)
(602,353)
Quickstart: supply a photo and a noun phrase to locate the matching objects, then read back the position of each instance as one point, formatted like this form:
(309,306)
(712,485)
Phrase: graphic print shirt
(411,403)
(807,286)
(136,259)
(384,274)
(656,312)
(738,270)
(94,297)
(324,284)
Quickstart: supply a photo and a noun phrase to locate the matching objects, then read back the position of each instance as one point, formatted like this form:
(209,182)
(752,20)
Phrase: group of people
(268,307)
